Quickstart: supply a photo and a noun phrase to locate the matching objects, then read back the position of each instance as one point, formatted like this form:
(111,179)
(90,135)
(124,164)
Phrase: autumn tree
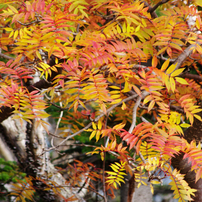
(123,75)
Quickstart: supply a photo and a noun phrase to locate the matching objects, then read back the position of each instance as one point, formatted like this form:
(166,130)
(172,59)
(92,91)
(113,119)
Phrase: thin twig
(103,164)
(27,24)
(164,58)
(153,14)
(184,55)
(57,136)
(144,120)
(57,126)
(151,10)
(6,56)
(90,124)
(144,94)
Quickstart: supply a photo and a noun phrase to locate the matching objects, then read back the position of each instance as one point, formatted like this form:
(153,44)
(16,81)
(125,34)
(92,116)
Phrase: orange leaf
(154,61)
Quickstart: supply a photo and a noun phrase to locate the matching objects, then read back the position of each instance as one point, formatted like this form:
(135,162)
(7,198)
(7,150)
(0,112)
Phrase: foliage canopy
(114,70)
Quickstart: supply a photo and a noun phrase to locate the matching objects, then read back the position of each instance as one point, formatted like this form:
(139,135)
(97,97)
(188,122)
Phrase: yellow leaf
(11,34)
(198,48)
(185,125)
(8,29)
(165,65)
(151,105)
(177,72)
(196,111)
(115,96)
(92,135)
(137,28)
(155,182)
(115,167)
(181,80)
(13,9)
(139,184)
(156,87)
(167,82)
(15,34)
(152,189)
(115,87)
(124,27)
(44,65)
(171,68)
(147,99)
(21,33)
(198,2)
(173,45)
(162,50)
(169,51)
(127,87)
(198,23)
(143,22)
(94,126)
(38,55)
(102,156)
(119,126)
(198,117)
(172,84)
(99,125)
(98,135)
(123,107)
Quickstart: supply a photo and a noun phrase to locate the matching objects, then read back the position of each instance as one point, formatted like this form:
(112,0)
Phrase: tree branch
(184,165)
(6,56)
(184,55)
(144,94)
(153,14)
(151,10)
(95,120)
(192,76)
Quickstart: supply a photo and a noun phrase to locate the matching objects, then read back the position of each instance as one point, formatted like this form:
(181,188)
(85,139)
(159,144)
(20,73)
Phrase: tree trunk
(192,133)
(28,143)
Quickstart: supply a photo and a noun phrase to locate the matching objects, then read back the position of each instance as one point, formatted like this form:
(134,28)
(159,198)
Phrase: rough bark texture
(143,193)
(127,189)
(192,133)
(185,168)
(27,143)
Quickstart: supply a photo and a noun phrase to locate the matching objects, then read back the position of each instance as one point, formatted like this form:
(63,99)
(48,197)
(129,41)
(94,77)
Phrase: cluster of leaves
(100,48)
(9,173)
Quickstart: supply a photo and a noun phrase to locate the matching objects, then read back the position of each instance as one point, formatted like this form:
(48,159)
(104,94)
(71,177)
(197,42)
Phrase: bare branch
(95,120)
(144,94)
(6,56)
(151,10)
(153,14)
(184,55)
(164,58)
(27,24)
(192,76)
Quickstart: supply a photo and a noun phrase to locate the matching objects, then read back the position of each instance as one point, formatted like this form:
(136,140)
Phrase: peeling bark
(28,146)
